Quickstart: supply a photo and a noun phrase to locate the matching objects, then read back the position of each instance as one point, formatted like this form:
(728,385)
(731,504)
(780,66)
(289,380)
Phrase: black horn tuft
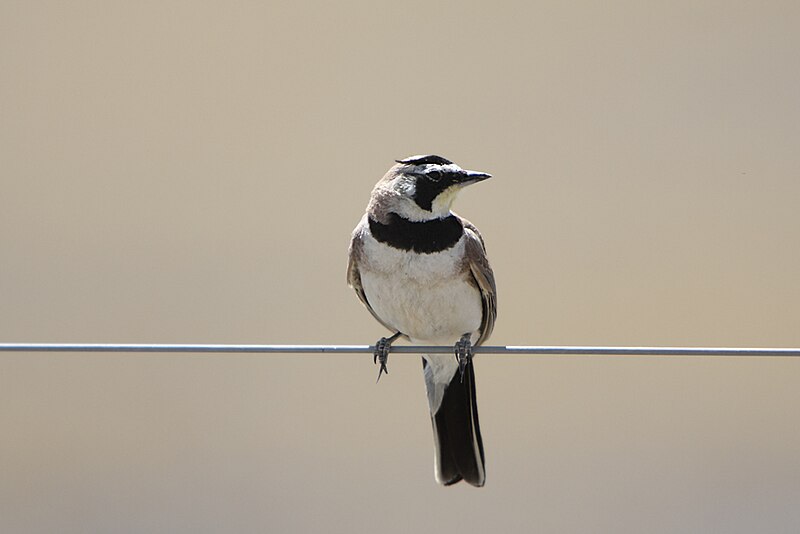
(424,160)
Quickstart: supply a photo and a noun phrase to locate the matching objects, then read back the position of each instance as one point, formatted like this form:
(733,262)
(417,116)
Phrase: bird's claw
(463,353)
(381,354)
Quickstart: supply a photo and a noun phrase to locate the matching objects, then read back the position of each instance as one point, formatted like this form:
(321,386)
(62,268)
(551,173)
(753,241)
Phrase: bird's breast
(428,297)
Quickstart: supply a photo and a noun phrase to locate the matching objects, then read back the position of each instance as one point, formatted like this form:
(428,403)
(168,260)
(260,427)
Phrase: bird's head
(422,187)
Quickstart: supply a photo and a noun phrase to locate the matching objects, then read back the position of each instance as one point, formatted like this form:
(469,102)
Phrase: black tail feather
(457,434)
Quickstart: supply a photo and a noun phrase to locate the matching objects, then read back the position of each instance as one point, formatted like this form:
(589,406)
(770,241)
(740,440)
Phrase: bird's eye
(434,175)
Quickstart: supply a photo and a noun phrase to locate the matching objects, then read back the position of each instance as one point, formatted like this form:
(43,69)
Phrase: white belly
(425,296)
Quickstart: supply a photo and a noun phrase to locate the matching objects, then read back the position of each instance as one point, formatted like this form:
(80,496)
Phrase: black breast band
(424,237)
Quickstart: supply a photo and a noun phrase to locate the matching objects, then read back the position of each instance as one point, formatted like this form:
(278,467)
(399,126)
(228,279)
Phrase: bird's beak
(472,177)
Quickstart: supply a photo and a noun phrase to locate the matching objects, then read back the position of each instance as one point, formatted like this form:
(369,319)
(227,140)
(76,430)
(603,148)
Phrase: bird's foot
(463,352)
(381,353)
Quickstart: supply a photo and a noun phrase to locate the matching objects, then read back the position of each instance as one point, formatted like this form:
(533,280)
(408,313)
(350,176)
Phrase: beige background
(191,171)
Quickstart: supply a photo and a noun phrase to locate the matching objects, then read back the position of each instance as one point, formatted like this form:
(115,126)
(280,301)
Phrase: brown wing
(354,277)
(478,265)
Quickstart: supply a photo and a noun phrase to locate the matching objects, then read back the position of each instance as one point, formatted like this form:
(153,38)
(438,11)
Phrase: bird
(422,271)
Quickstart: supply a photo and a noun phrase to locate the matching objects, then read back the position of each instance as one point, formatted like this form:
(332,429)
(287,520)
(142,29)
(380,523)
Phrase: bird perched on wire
(422,271)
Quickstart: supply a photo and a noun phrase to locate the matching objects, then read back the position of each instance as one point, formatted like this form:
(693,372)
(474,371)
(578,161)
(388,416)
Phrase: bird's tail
(456,432)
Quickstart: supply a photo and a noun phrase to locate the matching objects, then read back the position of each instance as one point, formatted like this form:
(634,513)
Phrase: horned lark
(422,271)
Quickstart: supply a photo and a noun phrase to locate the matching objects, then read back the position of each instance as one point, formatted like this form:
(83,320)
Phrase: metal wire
(400,349)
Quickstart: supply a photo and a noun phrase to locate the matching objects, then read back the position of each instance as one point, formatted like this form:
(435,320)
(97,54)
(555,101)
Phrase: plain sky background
(188,171)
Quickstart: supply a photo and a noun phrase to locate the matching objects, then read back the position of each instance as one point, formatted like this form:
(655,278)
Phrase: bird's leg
(381,353)
(463,352)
